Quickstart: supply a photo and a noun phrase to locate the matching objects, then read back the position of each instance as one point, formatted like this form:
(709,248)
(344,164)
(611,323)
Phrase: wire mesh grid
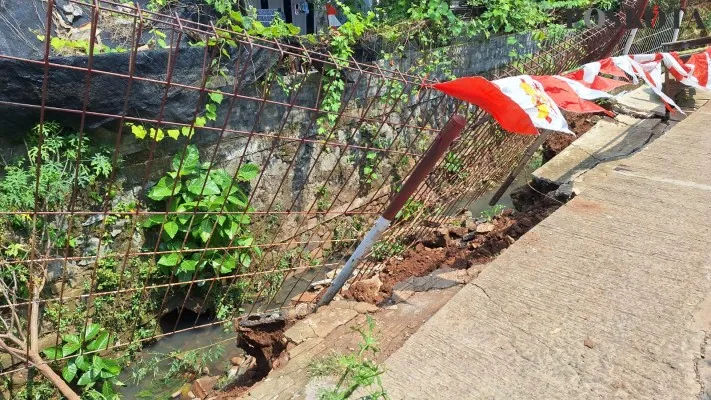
(175,176)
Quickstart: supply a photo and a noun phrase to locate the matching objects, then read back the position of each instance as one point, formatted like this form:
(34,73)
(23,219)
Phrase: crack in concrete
(702,356)
(599,161)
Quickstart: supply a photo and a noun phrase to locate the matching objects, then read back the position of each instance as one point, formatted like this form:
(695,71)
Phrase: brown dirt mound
(461,252)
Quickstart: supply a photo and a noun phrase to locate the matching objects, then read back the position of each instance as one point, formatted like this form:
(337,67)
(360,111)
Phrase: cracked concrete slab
(606,298)
(393,326)
(612,140)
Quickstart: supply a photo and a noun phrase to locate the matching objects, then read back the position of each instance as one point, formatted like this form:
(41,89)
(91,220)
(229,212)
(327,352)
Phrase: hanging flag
(571,95)
(589,75)
(700,63)
(530,96)
(652,78)
(488,97)
(680,70)
(331,12)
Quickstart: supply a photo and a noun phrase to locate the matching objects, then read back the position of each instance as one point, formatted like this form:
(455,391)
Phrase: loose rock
(486,227)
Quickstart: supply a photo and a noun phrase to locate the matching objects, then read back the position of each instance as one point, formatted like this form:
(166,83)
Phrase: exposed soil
(457,245)
(557,142)
(263,339)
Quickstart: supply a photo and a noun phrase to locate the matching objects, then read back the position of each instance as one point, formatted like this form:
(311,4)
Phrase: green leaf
(101,342)
(245,241)
(112,366)
(188,265)
(86,379)
(205,230)
(52,353)
(195,186)
(187,131)
(232,230)
(216,97)
(71,338)
(248,172)
(200,122)
(173,133)
(234,200)
(243,219)
(245,259)
(97,364)
(107,390)
(138,131)
(257,251)
(190,161)
(82,363)
(169,260)
(221,178)
(69,372)
(70,348)
(170,228)
(227,265)
(91,331)
(153,220)
(164,188)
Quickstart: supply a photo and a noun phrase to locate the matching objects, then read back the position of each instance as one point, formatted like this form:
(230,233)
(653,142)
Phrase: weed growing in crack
(357,371)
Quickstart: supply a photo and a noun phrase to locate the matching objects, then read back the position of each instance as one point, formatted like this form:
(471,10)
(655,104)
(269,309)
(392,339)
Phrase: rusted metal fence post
(440,146)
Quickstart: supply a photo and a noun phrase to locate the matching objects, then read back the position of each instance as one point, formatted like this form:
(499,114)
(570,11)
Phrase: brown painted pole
(445,138)
(440,146)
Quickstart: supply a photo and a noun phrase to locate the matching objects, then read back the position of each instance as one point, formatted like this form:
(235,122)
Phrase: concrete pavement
(609,297)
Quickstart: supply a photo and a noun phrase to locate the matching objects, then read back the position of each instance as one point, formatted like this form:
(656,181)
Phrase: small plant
(63,46)
(370,174)
(359,372)
(195,195)
(88,371)
(535,162)
(409,210)
(58,155)
(453,163)
(384,250)
(329,365)
(323,197)
(492,212)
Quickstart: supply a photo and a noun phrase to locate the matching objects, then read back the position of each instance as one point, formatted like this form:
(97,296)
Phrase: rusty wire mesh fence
(156,175)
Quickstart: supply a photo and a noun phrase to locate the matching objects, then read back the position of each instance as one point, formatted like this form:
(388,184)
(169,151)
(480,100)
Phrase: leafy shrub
(58,156)
(89,370)
(198,195)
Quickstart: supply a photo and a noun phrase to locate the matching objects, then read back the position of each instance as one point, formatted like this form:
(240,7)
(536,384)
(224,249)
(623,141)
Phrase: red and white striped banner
(523,104)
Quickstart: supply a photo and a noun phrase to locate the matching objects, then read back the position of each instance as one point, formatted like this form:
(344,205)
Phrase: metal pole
(677,24)
(630,40)
(440,146)
(530,151)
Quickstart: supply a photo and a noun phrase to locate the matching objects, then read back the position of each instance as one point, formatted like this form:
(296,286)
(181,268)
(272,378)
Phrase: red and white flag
(331,12)
(681,71)
(571,95)
(589,75)
(700,63)
(519,103)
(650,72)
